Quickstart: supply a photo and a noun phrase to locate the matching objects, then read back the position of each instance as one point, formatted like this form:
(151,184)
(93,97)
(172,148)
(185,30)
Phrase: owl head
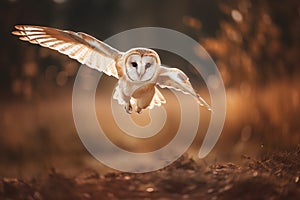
(141,64)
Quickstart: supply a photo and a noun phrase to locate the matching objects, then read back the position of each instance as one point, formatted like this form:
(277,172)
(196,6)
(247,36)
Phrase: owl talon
(138,110)
(128,108)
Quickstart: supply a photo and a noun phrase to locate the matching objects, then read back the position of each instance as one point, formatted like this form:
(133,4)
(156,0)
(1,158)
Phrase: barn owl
(139,70)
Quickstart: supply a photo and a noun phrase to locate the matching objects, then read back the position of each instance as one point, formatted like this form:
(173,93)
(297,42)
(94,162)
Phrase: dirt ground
(276,176)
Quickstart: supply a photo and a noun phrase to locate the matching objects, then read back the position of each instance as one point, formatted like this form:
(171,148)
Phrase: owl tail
(157,99)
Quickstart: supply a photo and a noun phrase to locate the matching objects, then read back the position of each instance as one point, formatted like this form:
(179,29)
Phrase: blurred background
(255,45)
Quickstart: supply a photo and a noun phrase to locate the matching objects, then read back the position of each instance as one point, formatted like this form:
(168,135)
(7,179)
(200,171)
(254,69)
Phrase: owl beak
(141,75)
(140,72)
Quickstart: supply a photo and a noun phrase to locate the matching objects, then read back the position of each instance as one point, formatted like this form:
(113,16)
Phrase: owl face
(141,64)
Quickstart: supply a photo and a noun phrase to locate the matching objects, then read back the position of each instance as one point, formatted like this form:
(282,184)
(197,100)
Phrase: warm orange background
(255,46)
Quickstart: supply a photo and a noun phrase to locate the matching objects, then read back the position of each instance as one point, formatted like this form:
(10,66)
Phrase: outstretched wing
(174,78)
(80,46)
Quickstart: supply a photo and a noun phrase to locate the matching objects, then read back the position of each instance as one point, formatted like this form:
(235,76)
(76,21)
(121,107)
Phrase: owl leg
(145,100)
(139,110)
(122,99)
(128,108)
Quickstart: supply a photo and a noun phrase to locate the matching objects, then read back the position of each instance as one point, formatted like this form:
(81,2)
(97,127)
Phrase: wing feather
(79,46)
(176,79)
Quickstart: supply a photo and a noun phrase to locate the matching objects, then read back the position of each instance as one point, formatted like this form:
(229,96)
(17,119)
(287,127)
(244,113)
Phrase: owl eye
(148,65)
(134,64)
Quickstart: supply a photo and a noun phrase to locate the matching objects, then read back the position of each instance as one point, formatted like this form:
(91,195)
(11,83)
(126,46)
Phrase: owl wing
(79,46)
(176,79)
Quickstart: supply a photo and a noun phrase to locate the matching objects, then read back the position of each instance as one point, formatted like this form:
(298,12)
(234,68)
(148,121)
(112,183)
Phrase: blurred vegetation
(257,52)
(255,45)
